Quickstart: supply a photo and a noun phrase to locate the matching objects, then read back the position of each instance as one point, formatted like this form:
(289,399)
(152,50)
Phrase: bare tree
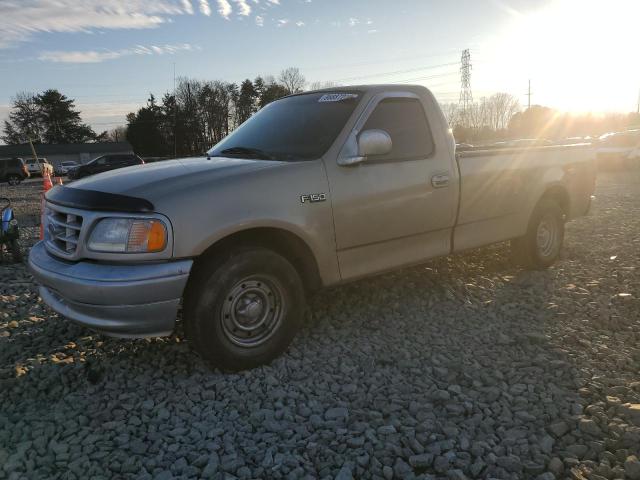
(292,80)
(500,108)
(451,112)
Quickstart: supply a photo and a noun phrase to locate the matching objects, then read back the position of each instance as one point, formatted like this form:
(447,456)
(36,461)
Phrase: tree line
(200,113)
(500,117)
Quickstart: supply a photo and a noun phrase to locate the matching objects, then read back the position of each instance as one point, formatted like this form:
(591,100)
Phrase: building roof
(43,150)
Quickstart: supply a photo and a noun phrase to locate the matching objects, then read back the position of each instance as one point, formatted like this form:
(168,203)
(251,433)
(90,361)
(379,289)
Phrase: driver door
(399,208)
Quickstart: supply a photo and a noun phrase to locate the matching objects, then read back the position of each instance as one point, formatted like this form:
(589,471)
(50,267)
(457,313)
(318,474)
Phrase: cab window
(405,121)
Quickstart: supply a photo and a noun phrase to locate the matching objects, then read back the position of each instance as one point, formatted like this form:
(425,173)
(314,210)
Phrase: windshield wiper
(248,151)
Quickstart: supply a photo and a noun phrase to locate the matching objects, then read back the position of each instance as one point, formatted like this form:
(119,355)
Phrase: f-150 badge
(313,197)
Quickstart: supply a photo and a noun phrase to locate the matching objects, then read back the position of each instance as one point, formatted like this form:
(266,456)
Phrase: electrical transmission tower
(466,97)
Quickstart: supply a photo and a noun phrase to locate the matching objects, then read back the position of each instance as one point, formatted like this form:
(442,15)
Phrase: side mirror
(370,143)
(374,142)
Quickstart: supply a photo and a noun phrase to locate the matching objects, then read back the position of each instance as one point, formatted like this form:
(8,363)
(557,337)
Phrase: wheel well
(560,196)
(285,243)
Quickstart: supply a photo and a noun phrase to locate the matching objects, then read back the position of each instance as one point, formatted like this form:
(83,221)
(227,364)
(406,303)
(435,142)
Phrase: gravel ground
(463,368)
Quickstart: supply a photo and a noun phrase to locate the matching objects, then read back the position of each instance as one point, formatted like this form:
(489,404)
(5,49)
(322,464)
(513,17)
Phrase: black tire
(540,247)
(242,310)
(14,179)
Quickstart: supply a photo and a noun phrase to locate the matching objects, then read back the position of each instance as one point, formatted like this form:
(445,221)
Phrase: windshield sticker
(337,97)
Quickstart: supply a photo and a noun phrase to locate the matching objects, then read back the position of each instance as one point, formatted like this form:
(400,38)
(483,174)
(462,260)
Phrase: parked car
(618,149)
(39,166)
(13,170)
(463,147)
(104,164)
(64,167)
(574,141)
(522,142)
(316,189)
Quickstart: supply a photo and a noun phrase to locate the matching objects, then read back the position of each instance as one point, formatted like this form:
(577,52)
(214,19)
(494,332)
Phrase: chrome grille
(63,230)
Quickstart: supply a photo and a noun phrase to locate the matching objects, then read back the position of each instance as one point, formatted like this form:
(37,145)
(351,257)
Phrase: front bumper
(138,300)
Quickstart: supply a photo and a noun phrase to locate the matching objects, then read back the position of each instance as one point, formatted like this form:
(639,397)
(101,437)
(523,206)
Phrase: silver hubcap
(252,311)
(547,236)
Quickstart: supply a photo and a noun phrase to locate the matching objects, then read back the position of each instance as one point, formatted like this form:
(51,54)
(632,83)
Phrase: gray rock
(401,469)
(578,451)
(344,473)
(546,476)
(456,474)
(511,463)
(355,442)
(556,466)
(559,428)
(589,427)
(386,430)
(421,461)
(336,413)
(387,472)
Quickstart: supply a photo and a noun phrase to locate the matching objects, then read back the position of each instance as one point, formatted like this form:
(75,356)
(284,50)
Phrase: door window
(405,121)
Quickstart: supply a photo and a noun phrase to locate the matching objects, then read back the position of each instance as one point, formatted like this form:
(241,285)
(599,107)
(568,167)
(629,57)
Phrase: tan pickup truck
(315,189)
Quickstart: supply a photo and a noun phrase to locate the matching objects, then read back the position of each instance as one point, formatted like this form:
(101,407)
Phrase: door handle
(440,181)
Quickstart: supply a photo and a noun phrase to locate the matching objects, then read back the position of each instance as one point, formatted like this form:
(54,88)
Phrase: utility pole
(529,96)
(466,96)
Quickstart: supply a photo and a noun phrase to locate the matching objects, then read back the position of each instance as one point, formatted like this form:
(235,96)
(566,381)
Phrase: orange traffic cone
(46,182)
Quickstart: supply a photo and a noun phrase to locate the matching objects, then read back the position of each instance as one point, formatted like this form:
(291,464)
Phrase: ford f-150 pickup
(315,189)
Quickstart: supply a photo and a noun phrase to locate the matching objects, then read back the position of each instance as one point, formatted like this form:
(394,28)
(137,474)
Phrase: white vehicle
(36,167)
(64,167)
(614,149)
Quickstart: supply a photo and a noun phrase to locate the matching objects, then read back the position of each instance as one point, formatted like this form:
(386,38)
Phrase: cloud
(224,8)
(187,7)
(97,56)
(353,22)
(259,20)
(300,23)
(283,22)
(205,9)
(20,20)
(244,7)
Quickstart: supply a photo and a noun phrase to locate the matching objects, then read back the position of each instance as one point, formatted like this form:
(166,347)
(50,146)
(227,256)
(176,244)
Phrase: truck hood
(152,181)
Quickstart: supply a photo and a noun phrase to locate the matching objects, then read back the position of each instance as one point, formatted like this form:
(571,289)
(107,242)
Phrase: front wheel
(243,310)
(14,179)
(540,247)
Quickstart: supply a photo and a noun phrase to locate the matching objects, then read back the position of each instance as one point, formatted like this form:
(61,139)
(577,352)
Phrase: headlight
(128,235)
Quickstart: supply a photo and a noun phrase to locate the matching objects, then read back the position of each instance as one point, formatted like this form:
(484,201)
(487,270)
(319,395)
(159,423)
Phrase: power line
(379,62)
(396,72)
(428,77)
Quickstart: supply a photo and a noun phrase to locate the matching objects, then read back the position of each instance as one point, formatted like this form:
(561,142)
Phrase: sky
(108,55)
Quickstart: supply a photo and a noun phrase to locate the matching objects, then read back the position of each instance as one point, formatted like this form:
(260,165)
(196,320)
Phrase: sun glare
(581,55)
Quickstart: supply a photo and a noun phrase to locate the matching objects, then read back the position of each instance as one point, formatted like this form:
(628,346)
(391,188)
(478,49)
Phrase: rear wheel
(243,310)
(14,179)
(540,247)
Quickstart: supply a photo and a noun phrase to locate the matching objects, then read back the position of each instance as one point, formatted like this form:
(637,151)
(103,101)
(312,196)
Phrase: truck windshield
(301,127)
